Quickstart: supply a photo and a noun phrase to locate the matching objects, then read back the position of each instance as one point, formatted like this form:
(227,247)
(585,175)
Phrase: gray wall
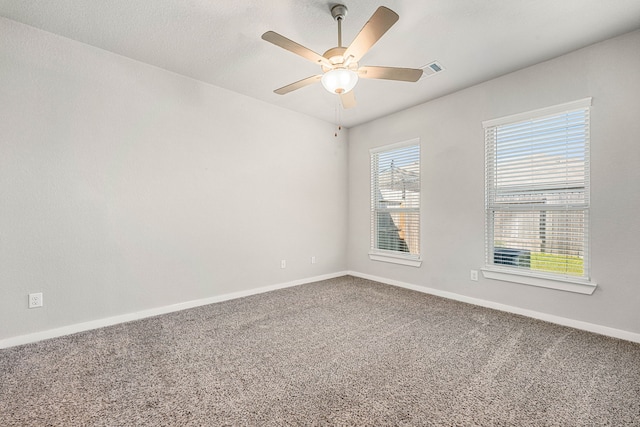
(124,187)
(452,142)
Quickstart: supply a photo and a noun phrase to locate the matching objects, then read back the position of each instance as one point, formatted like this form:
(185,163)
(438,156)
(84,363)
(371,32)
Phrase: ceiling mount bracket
(339,11)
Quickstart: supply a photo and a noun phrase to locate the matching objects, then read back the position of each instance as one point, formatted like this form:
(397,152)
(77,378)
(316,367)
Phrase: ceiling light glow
(339,80)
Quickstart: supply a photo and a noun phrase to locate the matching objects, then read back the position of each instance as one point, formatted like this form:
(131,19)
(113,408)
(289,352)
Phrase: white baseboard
(108,321)
(100,323)
(577,324)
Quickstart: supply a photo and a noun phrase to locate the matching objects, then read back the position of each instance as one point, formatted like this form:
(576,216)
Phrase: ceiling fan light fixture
(339,80)
(339,64)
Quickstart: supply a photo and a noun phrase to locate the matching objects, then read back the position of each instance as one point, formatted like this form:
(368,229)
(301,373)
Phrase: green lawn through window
(566,264)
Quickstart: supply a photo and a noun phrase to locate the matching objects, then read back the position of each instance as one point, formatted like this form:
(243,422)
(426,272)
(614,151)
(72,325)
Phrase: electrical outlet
(35,300)
(313,260)
(283,263)
(474,275)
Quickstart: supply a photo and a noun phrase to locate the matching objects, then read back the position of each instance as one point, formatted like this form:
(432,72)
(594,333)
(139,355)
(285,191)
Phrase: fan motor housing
(335,56)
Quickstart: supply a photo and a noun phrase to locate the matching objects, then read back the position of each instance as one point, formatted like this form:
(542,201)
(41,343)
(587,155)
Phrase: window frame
(391,256)
(579,284)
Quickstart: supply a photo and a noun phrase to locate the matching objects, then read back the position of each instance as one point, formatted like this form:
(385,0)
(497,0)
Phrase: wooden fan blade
(379,23)
(298,49)
(348,99)
(297,85)
(390,73)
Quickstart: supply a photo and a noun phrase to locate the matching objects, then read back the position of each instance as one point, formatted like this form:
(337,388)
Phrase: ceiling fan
(340,68)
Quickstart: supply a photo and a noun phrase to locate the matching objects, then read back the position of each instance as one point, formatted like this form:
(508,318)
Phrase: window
(537,196)
(395,203)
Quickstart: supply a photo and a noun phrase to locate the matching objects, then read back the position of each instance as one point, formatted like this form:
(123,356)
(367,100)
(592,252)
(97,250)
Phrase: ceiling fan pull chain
(338,119)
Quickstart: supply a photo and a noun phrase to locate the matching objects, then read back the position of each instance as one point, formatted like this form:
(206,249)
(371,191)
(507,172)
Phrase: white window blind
(537,192)
(395,199)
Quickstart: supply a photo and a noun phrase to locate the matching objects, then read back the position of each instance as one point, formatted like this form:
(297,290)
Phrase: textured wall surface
(125,187)
(452,138)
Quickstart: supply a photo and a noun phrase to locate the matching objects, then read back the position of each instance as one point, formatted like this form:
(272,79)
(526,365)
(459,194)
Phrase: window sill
(395,259)
(570,285)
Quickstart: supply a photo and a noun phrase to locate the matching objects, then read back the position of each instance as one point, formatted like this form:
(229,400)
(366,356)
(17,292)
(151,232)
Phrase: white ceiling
(219,42)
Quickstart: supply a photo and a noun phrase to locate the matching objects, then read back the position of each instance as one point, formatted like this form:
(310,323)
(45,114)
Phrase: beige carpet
(345,351)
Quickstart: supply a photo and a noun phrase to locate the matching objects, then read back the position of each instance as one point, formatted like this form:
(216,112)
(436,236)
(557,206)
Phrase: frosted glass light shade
(339,80)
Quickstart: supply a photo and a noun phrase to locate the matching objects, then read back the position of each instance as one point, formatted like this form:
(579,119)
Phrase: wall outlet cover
(35,300)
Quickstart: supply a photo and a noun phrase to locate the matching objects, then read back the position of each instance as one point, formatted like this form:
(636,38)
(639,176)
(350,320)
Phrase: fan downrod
(339,11)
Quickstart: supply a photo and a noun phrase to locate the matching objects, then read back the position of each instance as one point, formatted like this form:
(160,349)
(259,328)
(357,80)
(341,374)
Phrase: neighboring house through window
(537,197)
(395,203)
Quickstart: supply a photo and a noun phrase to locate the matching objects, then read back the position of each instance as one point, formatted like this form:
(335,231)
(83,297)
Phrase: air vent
(431,69)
